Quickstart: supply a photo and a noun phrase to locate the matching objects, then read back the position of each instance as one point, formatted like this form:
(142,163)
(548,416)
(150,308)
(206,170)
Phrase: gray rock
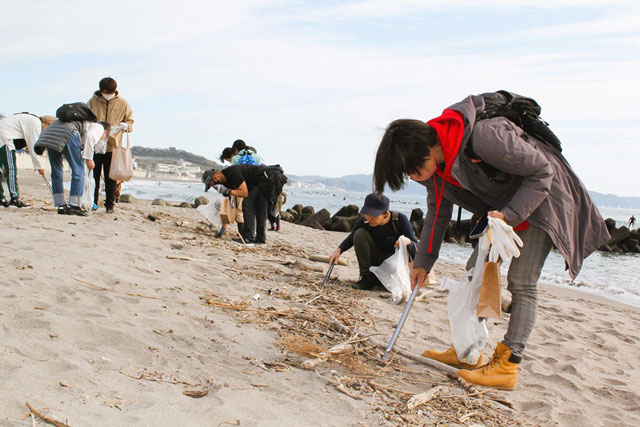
(286,216)
(200,201)
(185,205)
(159,202)
(348,211)
(127,198)
(416,215)
(298,208)
(308,210)
(317,220)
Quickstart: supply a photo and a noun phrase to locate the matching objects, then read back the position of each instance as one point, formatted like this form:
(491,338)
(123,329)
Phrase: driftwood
(310,364)
(322,258)
(46,419)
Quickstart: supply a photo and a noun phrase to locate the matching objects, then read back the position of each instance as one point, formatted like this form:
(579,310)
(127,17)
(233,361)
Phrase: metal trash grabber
(47,182)
(326,278)
(387,352)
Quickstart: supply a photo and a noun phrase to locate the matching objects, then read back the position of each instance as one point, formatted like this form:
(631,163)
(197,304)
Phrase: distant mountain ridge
(364,183)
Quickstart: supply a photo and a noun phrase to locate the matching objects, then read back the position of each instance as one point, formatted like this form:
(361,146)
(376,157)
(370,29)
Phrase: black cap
(375,204)
(206,178)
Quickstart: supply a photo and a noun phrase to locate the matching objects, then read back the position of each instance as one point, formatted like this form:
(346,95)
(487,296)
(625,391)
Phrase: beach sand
(113,320)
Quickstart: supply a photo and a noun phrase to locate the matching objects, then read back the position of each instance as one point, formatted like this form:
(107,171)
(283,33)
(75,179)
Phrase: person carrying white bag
(375,236)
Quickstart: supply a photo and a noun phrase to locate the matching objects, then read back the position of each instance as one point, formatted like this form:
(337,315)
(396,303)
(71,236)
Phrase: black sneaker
(18,203)
(63,210)
(75,210)
(4,202)
(220,233)
(367,282)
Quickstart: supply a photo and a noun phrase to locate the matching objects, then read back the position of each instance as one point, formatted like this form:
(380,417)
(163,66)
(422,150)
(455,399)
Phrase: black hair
(402,151)
(239,144)
(108,85)
(227,153)
(105,125)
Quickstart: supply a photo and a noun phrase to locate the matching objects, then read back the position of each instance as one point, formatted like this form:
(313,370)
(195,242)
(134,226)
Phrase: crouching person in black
(375,237)
(256,184)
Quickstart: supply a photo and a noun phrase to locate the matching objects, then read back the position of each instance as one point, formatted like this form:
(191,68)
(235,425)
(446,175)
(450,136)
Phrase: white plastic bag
(86,200)
(211,211)
(468,333)
(393,273)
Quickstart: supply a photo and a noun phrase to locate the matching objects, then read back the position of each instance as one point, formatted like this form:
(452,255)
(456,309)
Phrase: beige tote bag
(121,163)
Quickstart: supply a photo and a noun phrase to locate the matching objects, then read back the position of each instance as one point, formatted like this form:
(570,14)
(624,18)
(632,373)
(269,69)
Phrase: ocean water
(616,276)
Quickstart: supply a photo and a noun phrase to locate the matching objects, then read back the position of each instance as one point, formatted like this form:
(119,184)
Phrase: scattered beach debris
(52,421)
(325,259)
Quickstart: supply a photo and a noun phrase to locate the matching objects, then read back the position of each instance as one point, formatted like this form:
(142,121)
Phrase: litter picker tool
(47,182)
(326,278)
(405,313)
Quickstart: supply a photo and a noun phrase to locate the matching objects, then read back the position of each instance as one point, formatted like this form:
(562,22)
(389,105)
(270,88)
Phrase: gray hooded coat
(534,182)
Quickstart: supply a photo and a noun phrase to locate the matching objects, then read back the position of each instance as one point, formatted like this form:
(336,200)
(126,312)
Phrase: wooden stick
(46,419)
(322,258)
(184,258)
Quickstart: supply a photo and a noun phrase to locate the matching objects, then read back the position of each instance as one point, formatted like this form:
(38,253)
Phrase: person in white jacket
(17,132)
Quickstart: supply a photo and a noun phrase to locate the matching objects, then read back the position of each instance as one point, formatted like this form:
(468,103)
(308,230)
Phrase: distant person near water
(632,222)
(492,165)
(375,236)
(109,107)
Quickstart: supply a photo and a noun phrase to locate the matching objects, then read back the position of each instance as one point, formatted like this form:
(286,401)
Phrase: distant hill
(172,153)
(364,183)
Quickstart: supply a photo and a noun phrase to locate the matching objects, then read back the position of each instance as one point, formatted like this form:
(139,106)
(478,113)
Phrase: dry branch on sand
(335,315)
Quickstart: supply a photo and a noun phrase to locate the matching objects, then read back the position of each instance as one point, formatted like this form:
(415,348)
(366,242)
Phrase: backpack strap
(394,221)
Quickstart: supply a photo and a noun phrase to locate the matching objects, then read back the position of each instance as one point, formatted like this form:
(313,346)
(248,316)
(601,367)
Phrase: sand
(111,319)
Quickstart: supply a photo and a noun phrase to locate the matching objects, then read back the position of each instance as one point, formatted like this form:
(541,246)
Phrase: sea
(615,276)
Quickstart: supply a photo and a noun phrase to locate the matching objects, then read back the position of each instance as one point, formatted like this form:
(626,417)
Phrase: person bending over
(375,236)
(514,176)
(243,181)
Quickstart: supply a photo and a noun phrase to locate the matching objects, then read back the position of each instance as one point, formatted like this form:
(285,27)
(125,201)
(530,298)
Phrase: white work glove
(124,126)
(504,241)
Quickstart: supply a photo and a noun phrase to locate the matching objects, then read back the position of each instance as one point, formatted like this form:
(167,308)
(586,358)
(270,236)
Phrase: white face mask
(108,96)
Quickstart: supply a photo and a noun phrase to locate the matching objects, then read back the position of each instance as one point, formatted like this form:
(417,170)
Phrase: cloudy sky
(312,84)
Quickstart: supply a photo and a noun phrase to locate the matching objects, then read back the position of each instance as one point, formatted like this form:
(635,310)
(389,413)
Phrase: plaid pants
(522,282)
(8,172)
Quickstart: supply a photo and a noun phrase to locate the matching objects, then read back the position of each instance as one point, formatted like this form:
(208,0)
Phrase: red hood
(450,128)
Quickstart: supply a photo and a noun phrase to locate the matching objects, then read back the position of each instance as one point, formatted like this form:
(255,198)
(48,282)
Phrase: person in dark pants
(243,181)
(109,107)
(375,237)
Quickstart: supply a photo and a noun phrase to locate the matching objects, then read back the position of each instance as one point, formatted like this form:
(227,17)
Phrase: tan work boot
(501,371)
(450,357)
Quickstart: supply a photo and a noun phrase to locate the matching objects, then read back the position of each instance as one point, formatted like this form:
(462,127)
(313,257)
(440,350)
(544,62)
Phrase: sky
(313,84)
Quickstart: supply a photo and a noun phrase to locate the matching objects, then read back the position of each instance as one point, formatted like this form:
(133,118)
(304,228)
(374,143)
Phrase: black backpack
(76,112)
(524,112)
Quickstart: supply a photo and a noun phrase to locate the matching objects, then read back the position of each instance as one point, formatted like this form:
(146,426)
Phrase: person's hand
(335,256)
(408,242)
(227,192)
(40,171)
(496,214)
(124,126)
(90,164)
(418,276)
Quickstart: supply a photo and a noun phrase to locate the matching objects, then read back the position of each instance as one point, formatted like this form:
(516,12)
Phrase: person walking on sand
(67,139)
(491,165)
(632,222)
(17,132)
(375,236)
(107,104)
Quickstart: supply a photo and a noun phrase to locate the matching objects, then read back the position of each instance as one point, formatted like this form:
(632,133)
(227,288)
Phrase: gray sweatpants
(522,282)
